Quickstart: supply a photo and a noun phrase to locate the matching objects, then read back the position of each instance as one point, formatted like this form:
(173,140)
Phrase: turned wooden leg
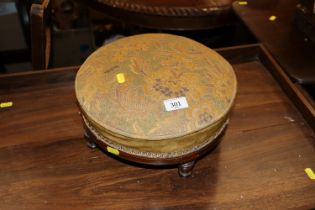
(185,169)
(90,143)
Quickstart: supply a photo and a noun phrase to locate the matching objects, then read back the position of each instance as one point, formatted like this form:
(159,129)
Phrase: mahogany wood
(40,34)
(259,164)
(167,15)
(293,51)
(92,141)
(185,169)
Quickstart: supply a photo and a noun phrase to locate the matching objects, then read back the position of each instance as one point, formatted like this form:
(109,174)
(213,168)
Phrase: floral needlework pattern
(204,118)
(156,67)
(165,88)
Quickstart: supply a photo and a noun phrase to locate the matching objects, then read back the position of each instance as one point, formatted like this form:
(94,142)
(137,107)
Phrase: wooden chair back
(40,34)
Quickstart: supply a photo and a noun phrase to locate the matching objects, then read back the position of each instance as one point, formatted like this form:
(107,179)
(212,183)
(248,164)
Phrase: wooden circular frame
(185,162)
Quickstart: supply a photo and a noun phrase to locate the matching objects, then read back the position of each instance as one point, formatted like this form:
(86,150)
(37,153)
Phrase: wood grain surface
(286,42)
(259,164)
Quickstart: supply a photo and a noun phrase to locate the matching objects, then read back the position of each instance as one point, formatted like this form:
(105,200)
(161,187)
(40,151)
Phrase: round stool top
(155,87)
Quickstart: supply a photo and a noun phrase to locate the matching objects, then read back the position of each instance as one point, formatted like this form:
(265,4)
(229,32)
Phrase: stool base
(185,164)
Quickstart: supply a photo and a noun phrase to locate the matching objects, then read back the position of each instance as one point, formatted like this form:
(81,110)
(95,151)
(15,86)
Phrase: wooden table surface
(286,43)
(45,164)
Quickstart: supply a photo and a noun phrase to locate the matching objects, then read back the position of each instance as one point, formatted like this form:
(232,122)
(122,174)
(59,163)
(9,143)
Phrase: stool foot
(90,143)
(185,169)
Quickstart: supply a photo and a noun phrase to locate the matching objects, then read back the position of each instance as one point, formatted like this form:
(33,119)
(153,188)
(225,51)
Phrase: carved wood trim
(213,8)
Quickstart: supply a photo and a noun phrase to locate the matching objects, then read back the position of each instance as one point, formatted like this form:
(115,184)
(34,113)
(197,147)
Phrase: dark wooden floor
(45,164)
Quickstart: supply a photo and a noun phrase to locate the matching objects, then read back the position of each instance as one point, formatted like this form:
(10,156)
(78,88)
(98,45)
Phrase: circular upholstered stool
(155,99)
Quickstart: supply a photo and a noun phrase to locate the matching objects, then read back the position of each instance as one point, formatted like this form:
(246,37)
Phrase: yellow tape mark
(242,3)
(120,78)
(6,104)
(272,18)
(310,173)
(112,150)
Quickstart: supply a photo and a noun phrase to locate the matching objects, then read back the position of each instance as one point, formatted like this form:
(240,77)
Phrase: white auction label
(175,103)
